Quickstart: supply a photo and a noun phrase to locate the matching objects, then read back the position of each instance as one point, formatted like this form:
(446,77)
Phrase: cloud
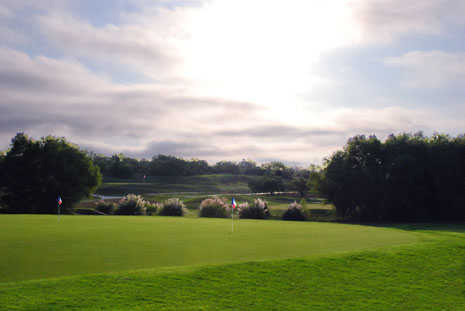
(150,49)
(5,12)
(47,96)
(387,20)
(430,69)
(221,79)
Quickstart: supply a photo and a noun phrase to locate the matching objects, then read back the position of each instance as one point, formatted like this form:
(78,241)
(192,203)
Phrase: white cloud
(5,12)
(260,51)
(47,96)
(432,69)
(227,78)
(387,20)
(134,45)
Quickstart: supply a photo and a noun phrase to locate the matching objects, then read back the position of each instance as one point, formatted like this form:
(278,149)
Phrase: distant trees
(406,178)
(276,175)
(268,184)
(35,173)
(300,184)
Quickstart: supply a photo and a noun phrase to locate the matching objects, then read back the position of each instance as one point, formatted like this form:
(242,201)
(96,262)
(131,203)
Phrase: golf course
(172,263)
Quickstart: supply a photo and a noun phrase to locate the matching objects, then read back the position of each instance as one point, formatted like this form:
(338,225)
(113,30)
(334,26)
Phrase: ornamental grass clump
(107,208)
(214,207)
(259,210)
(172,207)
(131,204)
(294,212)
(152,208)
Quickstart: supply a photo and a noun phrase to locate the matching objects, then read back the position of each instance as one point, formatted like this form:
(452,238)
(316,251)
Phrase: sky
(227,80)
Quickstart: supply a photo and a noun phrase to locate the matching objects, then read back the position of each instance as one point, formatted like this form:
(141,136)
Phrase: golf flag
(59,201)
(233,203)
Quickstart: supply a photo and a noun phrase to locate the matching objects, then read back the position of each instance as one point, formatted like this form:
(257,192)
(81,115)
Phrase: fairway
(217,183)
(40,246)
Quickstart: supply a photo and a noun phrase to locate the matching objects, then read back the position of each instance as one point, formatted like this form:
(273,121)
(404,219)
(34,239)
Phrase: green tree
(226,167)
(266,184)
(35,173)
(300,184)
(406,178)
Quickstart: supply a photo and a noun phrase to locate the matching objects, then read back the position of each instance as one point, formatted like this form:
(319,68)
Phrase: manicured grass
(219,183)
(38,246)
(429,275)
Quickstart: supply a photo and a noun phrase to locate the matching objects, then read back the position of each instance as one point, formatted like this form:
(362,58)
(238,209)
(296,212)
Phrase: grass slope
(219,183)
(427,276)
(38,246)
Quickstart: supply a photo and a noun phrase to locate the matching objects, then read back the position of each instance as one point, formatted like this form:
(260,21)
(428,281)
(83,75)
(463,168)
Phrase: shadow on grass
(433,227)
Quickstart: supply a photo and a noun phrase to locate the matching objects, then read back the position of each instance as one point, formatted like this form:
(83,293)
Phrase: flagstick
(58,212)
(232,219)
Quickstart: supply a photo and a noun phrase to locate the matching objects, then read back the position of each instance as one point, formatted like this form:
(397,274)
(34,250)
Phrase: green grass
(38,246)
(83,263)
(219,183)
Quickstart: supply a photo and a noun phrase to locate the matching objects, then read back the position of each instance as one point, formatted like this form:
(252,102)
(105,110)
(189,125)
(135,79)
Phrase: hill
(218,183)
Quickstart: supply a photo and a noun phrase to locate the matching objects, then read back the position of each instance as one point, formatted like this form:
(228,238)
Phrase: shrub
(294,212)
(105,207)
(259,210)
(152,208)
(131,204)
(172,207)
(213,207)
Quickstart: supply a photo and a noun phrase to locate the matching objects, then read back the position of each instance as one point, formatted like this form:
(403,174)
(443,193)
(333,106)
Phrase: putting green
(40,246)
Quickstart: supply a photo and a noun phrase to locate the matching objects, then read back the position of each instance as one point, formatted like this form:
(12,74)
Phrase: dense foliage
(294,212)
(131,204)
(214,207)
(120,166)
(259,210)
(35,173)
(172,207)
(267,184)
(406,178)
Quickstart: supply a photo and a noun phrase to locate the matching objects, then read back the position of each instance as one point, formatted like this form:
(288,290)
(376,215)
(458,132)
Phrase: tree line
(121,166)
(274,176)
(405,178)
(34,173)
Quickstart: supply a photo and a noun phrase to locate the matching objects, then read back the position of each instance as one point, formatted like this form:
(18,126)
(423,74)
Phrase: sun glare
(262,51)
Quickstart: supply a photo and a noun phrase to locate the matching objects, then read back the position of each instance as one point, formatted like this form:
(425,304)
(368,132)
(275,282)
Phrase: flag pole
(233,207)
(59,201)
(232,219)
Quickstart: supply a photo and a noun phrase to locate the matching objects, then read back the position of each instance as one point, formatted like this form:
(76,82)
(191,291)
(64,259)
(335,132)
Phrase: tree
(226,167)
(406,178)
(278,169)
(166,165)
(266,184)
(300,184)
(35,173)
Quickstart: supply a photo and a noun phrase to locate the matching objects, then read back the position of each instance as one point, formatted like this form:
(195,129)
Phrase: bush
(214,207)
(152,208)
(294,212)
(131,204)
(105,207)
(259,210)
(172,207)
